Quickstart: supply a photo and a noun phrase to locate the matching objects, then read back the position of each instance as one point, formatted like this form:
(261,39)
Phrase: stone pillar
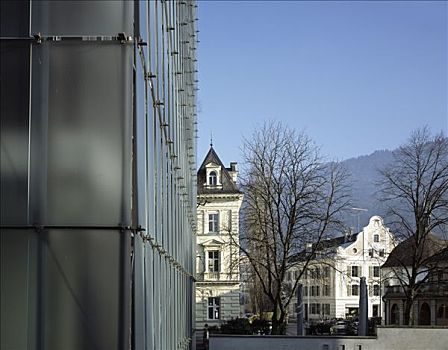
(299,310)
(433,309)
(363,307)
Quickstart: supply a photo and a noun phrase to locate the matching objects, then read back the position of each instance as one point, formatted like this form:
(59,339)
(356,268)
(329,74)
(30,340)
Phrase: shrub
(236,326)
(260,326)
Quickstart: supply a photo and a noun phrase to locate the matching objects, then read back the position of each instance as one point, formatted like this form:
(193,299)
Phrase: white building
(332,281)
(217,252)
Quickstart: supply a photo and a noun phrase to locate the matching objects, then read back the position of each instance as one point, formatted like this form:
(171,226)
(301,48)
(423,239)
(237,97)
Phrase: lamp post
(358,212)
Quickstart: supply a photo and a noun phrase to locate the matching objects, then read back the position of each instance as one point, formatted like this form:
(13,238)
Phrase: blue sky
(355,76)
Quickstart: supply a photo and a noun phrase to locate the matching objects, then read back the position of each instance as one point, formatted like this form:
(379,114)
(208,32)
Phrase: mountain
(364,175)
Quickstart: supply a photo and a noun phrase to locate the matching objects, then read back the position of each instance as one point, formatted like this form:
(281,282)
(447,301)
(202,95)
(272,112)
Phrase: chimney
(233,171)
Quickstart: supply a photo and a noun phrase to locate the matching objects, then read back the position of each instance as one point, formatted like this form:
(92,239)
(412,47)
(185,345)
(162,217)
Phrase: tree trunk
(278,321)
(407,317)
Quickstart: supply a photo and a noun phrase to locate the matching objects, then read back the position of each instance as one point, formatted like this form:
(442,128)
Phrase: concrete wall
(402,338)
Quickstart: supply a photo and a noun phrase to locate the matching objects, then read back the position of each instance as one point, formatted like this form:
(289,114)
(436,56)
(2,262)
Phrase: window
(381,253)
(213,261)
(213,308)
(442,312)
(326,309)
(305,291)
(394,314)
(213,222)
(212,178)
(315,308)
(315,291)
(376,290)
(355,271)
(371,253)
(376,271)
(355,289)
(326,271)
(375,310)
(376,238)
(326,290)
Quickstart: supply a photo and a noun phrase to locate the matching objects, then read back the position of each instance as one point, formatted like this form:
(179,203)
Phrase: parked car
(341,328)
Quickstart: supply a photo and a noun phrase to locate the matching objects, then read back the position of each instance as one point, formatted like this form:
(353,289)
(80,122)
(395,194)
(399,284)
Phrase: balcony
(429,289)
(217,277)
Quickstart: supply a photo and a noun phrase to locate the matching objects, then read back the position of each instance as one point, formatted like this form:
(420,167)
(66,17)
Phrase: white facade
(332,284)
(217,250)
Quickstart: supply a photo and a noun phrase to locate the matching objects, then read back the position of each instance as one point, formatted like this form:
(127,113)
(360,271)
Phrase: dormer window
(213,175)
(212,178)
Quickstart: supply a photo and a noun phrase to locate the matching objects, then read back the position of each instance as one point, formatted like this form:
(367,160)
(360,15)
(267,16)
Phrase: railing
(427,289)
(216,276)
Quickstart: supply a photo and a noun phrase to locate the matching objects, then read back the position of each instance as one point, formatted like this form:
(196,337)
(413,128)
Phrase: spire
(211,139)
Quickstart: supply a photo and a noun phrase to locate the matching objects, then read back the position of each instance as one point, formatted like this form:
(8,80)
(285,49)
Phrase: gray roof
(404,253)
(228,186)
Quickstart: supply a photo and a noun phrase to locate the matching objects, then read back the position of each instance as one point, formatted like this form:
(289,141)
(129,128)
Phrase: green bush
(213,330)
(260,326)
(236,326)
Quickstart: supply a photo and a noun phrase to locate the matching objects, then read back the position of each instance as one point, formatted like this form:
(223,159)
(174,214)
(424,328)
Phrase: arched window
(212,178)
(425,315)
(442,312)
(394,314)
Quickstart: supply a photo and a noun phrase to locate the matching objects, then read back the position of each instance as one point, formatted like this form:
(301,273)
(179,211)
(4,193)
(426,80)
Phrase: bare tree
(292,201)
(415,188)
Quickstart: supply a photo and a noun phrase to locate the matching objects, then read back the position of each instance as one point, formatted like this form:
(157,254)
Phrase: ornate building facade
(217,249)
(331,285)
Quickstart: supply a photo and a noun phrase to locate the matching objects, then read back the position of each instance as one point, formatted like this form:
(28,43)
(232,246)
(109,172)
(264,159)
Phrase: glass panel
(142,145)
(81,296)
(210,313)
(14,132)
(143,28)
(139,296)
(18,273)
(149,287)
(14,19)
(96,18)
(89,132)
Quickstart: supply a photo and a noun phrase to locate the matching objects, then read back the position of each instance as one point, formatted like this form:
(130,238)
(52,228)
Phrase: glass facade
(98,174)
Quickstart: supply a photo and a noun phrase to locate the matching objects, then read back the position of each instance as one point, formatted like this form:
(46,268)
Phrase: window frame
(214,260)
(376,268)
(214,307)
(212,178)
(213,224)
(376,290)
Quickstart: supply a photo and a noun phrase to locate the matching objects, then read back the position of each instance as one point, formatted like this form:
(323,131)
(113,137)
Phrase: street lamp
(358,212)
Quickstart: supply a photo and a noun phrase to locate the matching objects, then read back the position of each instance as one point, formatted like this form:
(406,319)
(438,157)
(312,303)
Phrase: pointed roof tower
(225,177)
